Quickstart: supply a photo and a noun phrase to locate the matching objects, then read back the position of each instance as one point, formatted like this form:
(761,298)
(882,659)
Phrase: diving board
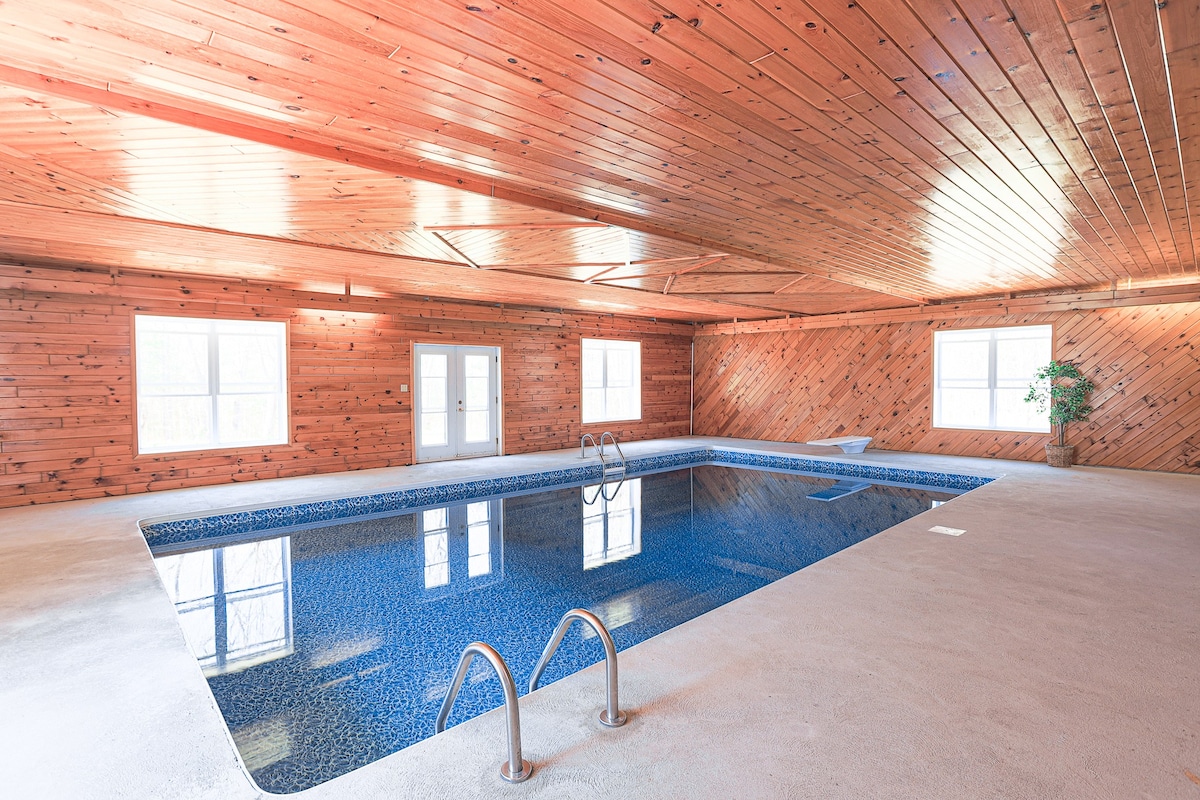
(849,444)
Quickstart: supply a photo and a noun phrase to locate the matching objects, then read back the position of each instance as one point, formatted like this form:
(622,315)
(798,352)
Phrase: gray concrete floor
(1048,652)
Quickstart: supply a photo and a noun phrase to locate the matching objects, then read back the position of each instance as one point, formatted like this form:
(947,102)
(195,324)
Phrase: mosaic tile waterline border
(231,523)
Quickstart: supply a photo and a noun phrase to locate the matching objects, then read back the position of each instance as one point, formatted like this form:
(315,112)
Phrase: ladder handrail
(600,492)
(605,495)
(583,440)
(611,716)
(605,469)
(612,439)
(523,769)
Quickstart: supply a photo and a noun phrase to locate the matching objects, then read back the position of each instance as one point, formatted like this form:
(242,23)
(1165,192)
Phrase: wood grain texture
(875,380)
(66,379)
(915,152)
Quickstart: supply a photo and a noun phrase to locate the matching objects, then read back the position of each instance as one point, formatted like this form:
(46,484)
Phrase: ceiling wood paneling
(886,152)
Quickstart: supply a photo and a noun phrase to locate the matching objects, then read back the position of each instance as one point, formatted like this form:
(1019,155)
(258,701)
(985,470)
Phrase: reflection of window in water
(612,523)
(234,602)
(481,523)
(479,539)
(436,526)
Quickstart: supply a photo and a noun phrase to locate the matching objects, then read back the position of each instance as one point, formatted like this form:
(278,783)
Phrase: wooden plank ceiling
(686,160)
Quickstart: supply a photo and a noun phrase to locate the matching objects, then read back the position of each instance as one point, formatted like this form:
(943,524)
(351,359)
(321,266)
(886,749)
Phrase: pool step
(839,489)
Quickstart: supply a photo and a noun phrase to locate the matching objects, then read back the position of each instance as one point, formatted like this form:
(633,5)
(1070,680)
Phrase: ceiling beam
(200,114)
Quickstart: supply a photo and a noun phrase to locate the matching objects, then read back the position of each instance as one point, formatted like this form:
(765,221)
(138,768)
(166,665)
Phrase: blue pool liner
(177,532)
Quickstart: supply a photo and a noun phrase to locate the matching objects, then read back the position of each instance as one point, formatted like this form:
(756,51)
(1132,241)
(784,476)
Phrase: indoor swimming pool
(331,643)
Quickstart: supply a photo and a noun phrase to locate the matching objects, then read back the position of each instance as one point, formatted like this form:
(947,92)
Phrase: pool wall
(173,532)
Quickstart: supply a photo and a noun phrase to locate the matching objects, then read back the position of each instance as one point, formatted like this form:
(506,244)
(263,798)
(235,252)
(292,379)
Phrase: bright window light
(612,380)
(612,523)
(234,602)
(981,377)
(210,383)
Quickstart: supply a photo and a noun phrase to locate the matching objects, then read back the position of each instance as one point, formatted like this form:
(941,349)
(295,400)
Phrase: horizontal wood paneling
(800,384)
(66,379)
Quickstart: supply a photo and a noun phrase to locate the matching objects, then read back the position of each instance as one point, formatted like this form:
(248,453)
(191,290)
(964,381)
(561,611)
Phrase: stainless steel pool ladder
(607,471)
(612,716)
(516,769)
(620,455)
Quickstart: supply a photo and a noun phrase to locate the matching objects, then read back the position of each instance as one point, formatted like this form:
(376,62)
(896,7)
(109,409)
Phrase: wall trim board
(1077,301)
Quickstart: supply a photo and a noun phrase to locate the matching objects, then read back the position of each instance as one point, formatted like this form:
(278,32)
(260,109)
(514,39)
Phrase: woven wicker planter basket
(1060,455)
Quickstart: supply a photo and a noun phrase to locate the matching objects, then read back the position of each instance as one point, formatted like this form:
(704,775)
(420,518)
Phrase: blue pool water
(329,647)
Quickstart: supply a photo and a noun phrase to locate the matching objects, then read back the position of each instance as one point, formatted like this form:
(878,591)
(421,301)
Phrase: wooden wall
(875,379)
(66,379)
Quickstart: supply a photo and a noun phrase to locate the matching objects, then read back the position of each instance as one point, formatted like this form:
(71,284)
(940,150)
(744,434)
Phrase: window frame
(948,334)
(286,432)
(604,387)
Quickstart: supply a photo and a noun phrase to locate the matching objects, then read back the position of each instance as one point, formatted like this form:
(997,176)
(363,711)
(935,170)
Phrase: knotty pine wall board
(796,384)
(66,378)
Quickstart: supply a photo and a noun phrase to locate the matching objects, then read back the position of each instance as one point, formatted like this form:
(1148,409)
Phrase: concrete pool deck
(1048,652)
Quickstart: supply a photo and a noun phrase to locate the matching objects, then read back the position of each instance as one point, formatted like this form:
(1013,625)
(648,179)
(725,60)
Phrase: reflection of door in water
(456,401)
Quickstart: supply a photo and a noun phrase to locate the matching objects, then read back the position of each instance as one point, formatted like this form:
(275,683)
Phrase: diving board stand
(849,444)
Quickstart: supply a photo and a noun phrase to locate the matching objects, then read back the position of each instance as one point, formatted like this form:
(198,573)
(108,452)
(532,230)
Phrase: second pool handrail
(612,716)
(516,769)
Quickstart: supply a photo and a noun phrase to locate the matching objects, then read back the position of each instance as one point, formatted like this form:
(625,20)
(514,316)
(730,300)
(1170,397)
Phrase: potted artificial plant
(1062,389)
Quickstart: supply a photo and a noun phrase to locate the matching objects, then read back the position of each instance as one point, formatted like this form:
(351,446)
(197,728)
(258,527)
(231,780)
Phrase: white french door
(457,401)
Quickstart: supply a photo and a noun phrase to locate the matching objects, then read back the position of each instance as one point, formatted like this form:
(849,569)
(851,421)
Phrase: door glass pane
(433,430)
(475,427)
(476,395)
(476,366)
(433,365)
(433,389)
(435,400)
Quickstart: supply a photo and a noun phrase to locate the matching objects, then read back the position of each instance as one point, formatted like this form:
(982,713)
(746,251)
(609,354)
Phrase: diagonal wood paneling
(875,380)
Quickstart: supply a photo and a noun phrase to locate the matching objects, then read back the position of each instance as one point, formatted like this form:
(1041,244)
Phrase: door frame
(453,369)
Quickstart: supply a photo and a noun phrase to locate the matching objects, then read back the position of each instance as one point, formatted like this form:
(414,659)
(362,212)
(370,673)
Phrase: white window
(981,377)
(612,380)
(209,383)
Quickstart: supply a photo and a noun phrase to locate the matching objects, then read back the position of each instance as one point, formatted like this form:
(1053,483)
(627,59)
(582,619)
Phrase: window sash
(984,399)
(611,380)
(210,383)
